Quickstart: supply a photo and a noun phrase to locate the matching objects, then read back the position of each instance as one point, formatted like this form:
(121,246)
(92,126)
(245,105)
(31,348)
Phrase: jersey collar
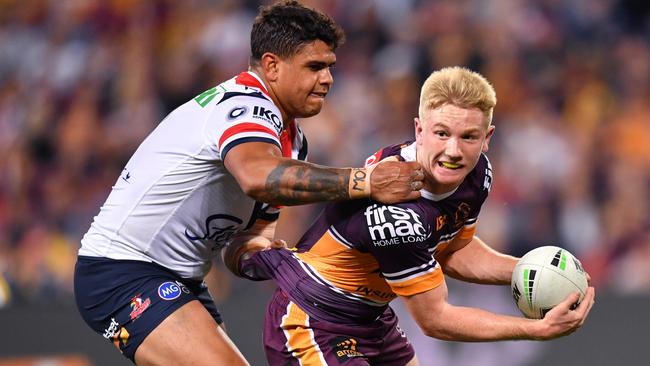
(408,153)
(250,79)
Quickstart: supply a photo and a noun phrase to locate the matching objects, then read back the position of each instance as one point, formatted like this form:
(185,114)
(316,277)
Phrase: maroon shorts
(292,337)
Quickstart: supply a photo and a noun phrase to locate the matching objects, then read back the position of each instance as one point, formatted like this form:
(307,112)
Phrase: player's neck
(286,118)
(439,189)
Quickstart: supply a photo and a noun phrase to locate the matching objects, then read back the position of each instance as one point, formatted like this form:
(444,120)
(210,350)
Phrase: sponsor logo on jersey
(138,306)
(461,215)
(237,112)
(206,97)
(171,290)
(367,291)
(391,225)
(268,116)
(218,230)
(345,348)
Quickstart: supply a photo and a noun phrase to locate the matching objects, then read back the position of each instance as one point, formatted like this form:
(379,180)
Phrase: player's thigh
(126,301)
(292,337)
(188,336)
(289,339)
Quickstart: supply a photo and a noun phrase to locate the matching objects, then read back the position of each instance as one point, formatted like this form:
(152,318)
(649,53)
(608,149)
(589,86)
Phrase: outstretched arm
(439,319)
(472,260)
(265,175)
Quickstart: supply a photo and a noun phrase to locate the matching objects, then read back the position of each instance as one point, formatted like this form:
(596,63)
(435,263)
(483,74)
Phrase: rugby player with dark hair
(214,167)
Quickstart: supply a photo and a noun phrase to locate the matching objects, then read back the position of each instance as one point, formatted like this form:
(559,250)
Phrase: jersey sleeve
(397,237)
(263,211)
(383,153)
(245,117)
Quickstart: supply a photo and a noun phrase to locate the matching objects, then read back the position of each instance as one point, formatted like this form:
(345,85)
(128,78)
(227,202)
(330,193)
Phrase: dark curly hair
(283,28)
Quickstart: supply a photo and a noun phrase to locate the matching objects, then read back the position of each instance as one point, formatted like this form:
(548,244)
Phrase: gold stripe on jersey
(419,282)
(468,231)
(358,273)
(300,338)
(347,269)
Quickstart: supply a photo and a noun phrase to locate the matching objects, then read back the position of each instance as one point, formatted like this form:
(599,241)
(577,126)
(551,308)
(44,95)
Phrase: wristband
(359,185)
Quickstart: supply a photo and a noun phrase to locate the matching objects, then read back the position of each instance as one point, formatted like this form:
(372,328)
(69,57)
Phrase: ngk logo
(390,225)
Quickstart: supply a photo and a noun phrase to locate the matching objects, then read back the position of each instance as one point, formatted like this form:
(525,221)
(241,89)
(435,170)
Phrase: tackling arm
(439,319)
(265,175)
(472,260)
(258,237)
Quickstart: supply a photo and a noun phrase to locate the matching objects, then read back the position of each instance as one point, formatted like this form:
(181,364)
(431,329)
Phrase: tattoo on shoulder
(293,183)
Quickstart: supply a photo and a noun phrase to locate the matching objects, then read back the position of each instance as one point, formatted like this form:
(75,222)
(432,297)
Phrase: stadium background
(83,82)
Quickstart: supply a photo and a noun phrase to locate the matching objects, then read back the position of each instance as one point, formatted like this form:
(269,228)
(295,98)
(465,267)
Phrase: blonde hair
(460,87)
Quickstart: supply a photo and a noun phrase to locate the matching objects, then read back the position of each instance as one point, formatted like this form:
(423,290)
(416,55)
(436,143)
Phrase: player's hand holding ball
(549,283)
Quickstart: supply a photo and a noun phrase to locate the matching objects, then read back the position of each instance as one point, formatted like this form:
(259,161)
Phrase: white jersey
(175,203)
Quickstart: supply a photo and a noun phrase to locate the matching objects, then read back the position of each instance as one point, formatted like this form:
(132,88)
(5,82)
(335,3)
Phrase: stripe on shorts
(300,337)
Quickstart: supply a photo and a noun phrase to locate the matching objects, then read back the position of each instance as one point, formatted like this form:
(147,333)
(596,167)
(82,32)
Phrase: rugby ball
(544,277)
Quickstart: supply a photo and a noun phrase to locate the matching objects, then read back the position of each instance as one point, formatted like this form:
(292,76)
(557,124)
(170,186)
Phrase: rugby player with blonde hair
(335,286)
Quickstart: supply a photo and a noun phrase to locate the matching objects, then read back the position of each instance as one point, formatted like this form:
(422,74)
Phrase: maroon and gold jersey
(359,255)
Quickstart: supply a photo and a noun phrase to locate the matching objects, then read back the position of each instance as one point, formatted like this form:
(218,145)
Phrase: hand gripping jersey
(360,255)
(175,203)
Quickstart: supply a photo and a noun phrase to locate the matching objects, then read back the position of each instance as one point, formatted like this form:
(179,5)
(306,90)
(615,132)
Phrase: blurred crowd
(83,82)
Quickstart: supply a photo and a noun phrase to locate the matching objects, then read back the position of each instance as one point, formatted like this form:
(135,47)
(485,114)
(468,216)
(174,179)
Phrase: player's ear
(486,143)
(418,129)
(270,66)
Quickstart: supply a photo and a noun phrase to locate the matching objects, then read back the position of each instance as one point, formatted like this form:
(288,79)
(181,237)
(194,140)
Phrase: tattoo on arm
(293,183)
